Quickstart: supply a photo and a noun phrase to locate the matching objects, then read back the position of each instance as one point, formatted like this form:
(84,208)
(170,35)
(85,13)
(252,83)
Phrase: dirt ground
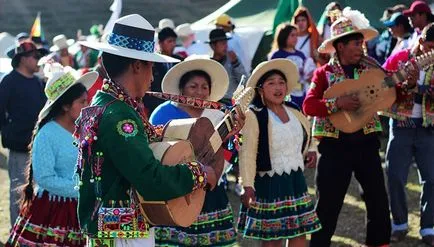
(350,230)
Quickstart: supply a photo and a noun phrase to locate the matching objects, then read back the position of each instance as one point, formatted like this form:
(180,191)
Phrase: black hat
(166,33)
(217,34)
(23,48)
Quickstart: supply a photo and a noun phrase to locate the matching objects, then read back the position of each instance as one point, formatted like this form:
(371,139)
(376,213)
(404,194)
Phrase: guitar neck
(417,63)
(226,125)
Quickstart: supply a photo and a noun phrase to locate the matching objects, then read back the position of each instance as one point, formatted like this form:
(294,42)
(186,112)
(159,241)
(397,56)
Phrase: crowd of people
(80,130)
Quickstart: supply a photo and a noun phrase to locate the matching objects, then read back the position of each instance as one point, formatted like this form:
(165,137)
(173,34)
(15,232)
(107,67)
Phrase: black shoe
(428,239)
(398,236)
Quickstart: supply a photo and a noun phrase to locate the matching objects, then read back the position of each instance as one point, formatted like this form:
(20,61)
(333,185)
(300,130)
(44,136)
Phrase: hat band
(340,29)
(131,43)
(132,38)
(59,86)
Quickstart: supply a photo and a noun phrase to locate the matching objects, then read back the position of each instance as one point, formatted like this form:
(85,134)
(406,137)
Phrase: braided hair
(73,93)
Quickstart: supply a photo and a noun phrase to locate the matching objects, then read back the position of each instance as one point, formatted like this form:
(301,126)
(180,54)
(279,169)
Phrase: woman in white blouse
(275,149)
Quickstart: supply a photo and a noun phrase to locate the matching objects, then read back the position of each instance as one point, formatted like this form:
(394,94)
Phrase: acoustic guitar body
(374,93)
(193,137)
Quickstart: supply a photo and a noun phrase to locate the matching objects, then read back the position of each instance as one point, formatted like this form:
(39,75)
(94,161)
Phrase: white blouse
(286,141)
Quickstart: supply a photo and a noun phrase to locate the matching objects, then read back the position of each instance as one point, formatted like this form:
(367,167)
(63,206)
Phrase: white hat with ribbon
(132,36)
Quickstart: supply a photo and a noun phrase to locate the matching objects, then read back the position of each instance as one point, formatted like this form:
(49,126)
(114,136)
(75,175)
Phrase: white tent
(250,35)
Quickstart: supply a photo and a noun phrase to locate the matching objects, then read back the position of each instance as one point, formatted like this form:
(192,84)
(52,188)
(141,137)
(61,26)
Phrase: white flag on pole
(116,8)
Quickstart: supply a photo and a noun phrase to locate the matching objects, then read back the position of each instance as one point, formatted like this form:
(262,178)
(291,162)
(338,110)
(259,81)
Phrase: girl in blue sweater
(49,206)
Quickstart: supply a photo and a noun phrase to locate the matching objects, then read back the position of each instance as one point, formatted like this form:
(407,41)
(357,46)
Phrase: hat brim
(11,53)
(327,45)
(287,67)
(129,53)
(218,39)
(87,80)
(389,23)
(219,77)
(407,12)
(69,43)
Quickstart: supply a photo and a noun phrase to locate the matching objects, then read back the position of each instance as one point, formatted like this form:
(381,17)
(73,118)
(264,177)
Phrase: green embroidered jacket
(125,162)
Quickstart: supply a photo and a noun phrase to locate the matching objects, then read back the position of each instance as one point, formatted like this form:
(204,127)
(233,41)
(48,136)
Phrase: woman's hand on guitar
(248,196)
(348,102)
(240,117)
(211,177)
(311,159)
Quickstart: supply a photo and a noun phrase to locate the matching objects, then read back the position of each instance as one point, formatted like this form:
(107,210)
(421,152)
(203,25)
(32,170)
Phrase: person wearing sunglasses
(21,99)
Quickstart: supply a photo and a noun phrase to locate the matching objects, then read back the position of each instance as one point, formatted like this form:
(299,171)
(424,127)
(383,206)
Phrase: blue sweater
(53,159)
(166,112)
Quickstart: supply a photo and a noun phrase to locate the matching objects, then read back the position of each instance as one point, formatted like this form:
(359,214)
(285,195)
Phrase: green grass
(350,230)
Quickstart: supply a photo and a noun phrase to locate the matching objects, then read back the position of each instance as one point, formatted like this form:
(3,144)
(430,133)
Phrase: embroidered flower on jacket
(127,128)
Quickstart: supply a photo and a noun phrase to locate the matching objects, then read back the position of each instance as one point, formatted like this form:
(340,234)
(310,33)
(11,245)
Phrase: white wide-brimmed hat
(287,67)
(60,79)
(61,42)
(184,30)
(351,21)
(163,23)
(219,76)
(132,37)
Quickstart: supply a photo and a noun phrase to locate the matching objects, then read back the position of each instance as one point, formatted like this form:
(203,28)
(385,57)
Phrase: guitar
(182,139)
(375,90)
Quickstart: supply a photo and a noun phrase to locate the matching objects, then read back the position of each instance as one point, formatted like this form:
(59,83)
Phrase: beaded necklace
(116,90)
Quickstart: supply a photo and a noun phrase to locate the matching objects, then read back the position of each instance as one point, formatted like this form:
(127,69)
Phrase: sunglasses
(35,55)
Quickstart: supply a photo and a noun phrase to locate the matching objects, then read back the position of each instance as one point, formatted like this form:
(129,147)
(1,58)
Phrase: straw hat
(60,79)
(132,37)
(219,76)
(351,21)
(61,42)
(287,67)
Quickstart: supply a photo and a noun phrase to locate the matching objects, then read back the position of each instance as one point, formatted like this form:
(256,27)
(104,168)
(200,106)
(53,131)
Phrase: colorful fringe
(211,229)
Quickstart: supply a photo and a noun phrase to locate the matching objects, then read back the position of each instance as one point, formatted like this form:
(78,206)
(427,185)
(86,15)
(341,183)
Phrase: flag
(285,10)
(37,34)
(116,8)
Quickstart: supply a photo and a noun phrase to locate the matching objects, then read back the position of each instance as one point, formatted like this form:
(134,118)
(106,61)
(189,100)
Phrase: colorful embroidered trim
(283,228)
(121,223)
(60,235)
(127,128)
(93,242)
(176,237)
(292,217)
(214,217)
(402,110)
(57,87)
(210,229)
(190,101)
(331,105)
(199,175)
(119,93)
(289,202)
